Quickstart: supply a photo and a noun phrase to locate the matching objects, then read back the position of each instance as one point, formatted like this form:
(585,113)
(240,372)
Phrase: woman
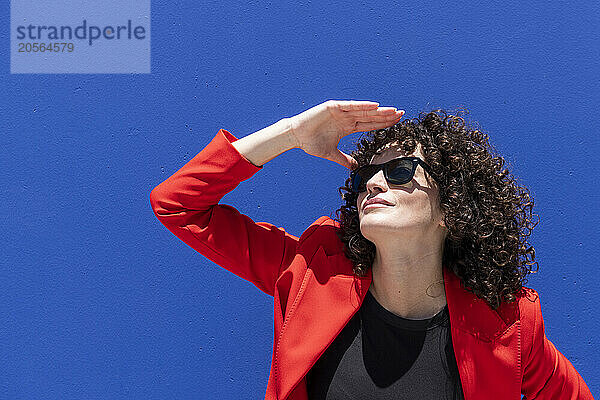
(414,291)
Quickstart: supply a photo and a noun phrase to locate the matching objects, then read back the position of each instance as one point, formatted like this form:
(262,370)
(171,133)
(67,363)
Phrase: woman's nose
(377,180)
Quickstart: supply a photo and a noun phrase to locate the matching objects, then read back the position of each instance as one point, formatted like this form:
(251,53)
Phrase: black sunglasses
(397,172)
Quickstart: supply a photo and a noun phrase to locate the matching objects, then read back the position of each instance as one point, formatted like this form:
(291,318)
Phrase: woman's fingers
(364,109)
(380,118)
(375,114)
(354,105)
(381,110)
(386,120)
(369,126)
(371,111)
(368,117)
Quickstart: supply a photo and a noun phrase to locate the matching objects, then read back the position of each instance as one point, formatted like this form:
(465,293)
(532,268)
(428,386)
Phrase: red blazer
(500,354)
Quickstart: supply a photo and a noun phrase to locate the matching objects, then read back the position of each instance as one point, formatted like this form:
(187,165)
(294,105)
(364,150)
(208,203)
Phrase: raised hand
(319,129)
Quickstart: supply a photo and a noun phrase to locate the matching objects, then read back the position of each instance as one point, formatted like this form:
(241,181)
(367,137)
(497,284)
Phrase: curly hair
(487,214)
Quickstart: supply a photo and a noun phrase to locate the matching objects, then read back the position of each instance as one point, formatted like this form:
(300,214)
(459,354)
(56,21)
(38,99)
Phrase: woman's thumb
(344,159)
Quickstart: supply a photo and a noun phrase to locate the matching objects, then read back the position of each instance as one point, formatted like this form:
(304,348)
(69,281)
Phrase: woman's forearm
(266,144)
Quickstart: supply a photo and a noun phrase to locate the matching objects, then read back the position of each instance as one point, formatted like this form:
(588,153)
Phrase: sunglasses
(397,172)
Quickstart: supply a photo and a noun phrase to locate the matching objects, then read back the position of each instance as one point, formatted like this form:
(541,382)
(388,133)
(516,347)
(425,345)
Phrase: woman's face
(413,205)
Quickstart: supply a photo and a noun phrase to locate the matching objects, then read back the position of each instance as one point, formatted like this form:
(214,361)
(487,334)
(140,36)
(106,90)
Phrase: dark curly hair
(488,215)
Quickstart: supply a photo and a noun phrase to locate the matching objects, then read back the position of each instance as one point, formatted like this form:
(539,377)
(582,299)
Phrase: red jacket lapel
(322,308)
(487,344)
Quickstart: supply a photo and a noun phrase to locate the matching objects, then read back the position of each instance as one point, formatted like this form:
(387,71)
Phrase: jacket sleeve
(547,373)
(187,204)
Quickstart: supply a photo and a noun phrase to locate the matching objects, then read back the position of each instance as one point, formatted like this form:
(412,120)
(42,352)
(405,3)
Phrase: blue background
(100,301)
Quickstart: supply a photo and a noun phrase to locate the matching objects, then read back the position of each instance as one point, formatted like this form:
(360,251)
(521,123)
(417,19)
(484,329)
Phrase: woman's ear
(442,214)
(442,223)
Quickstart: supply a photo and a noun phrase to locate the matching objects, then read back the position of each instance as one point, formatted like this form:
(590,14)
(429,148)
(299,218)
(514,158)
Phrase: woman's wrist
(264,145)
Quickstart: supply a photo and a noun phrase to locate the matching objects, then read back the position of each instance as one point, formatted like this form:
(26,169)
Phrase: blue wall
(100,301)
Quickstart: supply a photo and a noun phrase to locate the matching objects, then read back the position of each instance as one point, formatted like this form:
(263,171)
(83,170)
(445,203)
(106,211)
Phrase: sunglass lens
(401,172)
(356,182)
(360,178)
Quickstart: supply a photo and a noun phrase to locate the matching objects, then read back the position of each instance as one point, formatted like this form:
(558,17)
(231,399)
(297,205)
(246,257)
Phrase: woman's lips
(374,205)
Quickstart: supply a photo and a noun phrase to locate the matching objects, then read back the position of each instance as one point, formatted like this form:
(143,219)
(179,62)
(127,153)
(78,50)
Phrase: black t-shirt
(379,355)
